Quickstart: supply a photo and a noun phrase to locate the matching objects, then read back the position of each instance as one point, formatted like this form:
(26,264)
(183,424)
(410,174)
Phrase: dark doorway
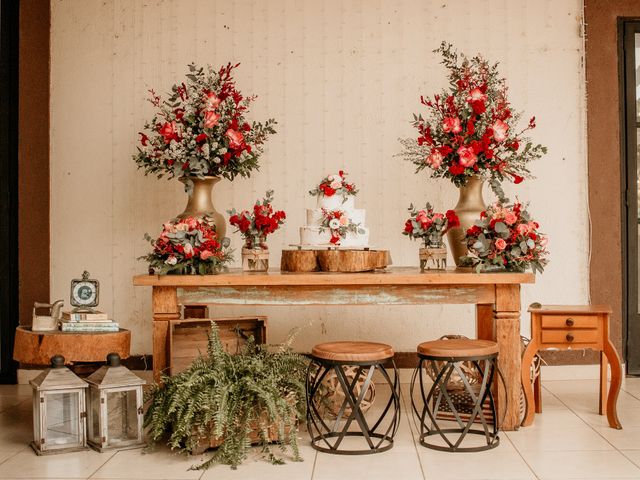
(631,153)
(9,12)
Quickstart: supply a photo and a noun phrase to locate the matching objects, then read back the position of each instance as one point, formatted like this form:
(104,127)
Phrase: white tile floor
(568,441)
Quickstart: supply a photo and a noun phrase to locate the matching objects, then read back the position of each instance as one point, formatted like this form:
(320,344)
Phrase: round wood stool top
(352,351)
(458,347)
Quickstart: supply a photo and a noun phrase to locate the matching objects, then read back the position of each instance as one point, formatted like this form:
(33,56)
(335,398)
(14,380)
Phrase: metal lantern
(59,414)
(115,407)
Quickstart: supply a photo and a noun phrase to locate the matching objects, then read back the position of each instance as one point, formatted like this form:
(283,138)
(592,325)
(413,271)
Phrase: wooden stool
(352,364)
(567,327)
(443,361)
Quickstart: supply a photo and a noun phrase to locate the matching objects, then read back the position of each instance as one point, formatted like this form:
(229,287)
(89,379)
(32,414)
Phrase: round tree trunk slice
(334,260)
(299,261)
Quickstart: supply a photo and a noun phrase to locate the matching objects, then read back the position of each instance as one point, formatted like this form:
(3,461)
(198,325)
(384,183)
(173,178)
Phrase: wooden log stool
(344,371)
(471,366)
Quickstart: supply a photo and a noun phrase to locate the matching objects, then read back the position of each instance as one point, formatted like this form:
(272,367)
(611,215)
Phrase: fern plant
(227,397)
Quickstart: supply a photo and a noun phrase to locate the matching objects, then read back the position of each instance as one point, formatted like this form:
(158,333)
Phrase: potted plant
(254,226)
(505,237)
(254,396)
(470,134)
(188,246)
(430,227)
(200,135)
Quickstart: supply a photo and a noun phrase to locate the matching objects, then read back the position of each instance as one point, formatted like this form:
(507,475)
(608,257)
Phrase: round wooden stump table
(37,348)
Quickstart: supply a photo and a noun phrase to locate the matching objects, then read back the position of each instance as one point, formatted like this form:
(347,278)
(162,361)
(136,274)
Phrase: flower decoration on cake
(188,245)
(201,130)
(256,224)
(506,237)
(335,184)
(471,128)
(338,224)
(429,226)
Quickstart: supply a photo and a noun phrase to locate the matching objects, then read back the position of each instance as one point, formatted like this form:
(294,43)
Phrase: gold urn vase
(470,204)
(199,204)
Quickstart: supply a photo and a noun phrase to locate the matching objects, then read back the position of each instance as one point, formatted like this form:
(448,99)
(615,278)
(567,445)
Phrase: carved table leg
(537,392)
(602,408)
(531,397)
(165,308)
(616,382)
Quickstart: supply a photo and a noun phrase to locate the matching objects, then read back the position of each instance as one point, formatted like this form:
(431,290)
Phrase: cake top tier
(334,185)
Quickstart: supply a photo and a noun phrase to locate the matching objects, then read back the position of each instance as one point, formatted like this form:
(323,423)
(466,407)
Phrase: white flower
(172,260)
(188,249)
(334,224)
(336,181)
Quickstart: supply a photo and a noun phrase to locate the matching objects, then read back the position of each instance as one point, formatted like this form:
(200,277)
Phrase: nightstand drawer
(569,321)
(570,337)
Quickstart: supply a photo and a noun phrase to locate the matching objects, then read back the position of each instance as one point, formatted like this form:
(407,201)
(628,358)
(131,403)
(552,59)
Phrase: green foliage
(226,397)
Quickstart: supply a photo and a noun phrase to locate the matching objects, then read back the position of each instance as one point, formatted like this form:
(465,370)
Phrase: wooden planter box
(188,338)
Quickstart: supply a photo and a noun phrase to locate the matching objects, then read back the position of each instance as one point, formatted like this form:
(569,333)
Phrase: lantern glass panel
(62,419)
(122,414)
(36,417)
(94,415)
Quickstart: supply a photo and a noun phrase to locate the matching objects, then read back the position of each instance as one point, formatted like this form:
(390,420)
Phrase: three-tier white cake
(335,220)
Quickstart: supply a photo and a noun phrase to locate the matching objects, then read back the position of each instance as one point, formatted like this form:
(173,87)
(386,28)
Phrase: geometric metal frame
(328,438)
(486,366)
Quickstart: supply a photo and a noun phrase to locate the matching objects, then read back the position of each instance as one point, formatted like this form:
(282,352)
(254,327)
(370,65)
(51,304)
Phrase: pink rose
(544,241)
(235,138)
(344,220)
(510,218)
(501,244)
(522,229)
(451,124)
(438,216)
(336,181)
(476,95)
(210,119)
(467,157)
(211,101)
(435,159)
(188,250)
(206,254)
(423,217)
(500,130)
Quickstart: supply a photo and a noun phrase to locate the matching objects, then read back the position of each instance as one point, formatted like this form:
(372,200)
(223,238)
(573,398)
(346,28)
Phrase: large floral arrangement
(506,237)
(429,226)
(201,129)
(338,224)
(470,128)
(255,225)
(188,245)
(335,184)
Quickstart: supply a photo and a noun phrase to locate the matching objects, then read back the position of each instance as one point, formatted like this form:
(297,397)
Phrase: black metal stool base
(438,400)
(327,433)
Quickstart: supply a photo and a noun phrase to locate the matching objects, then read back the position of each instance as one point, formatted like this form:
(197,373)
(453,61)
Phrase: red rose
(456,169)
(233,219)
(467,157)
(226,157)
(471,129)
(517,178)
(168,131)
(451,125)
(474,231)
(445,150)
(246,127)
(478,107)
(452,219)
(328,191)
(201,138)
(408,226)
(235,138)
(179,113)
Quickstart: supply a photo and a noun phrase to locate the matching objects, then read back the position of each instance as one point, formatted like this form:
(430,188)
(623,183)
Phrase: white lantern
(115,407)
(59,414)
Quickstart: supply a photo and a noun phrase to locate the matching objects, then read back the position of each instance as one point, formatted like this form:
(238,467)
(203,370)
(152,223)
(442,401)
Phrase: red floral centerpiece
(506,237)
(188,246)
(254,226)
(429,226)
(334,185)
(339,225)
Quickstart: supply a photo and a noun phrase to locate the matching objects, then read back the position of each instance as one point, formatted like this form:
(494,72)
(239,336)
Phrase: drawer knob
(569,337)
(569,322)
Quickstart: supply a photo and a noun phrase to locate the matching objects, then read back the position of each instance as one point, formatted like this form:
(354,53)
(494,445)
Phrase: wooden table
(496,296)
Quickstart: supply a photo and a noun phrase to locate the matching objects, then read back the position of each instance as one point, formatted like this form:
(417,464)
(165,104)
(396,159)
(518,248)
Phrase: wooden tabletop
(389,276)
(571,309)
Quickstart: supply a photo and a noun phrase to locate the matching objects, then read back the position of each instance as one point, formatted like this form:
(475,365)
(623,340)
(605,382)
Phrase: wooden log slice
(299,261)
(353,260)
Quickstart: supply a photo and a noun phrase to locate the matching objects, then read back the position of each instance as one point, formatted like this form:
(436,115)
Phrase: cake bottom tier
(313,236)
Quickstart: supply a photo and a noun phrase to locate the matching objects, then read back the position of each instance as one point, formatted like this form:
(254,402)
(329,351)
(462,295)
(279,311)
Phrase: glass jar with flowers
(188,246)
(254,226)
(199,134)
(505,237)
(469,135)
(430,227)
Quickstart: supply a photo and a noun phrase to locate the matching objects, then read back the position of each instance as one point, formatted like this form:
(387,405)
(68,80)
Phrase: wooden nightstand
(567,327)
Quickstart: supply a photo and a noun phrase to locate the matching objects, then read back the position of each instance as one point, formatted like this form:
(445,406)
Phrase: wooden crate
(188,338)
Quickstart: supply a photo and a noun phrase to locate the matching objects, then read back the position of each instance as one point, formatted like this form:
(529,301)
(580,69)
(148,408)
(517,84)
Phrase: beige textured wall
(342,78)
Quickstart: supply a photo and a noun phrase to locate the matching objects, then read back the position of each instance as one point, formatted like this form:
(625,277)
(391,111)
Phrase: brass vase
(470,204)
(199,204)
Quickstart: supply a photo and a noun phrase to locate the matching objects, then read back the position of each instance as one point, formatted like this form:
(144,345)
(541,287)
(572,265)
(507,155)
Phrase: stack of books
(88,322)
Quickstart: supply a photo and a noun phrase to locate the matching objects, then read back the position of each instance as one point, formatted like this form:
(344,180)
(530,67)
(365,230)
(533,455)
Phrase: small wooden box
(188,338)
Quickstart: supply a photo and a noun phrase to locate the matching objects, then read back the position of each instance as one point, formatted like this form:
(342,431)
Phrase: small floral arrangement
(254,226)
(334,185)
(429,225)
(188,245)
(201,129)
(339,224)
(505,237)
(471,128)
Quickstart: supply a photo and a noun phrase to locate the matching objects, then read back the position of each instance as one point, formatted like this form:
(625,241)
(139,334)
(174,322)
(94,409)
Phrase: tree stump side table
(567,327)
